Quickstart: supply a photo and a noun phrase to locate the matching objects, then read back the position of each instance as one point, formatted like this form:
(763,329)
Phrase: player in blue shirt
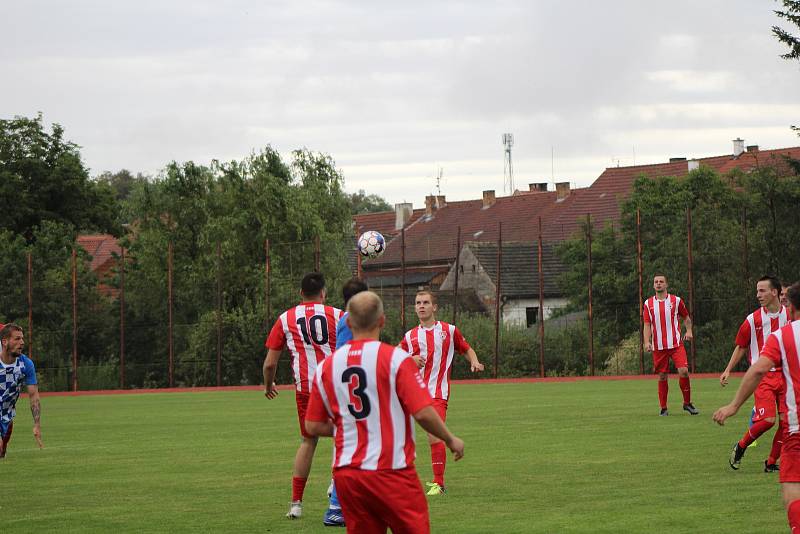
(333,515)
(16,369)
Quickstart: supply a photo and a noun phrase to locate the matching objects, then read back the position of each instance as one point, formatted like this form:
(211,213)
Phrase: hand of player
(456,445)
(476,367)
(723,378)
(271,392)
(648,346)
(723,413)
(419,360)
(688,336)
(37,435)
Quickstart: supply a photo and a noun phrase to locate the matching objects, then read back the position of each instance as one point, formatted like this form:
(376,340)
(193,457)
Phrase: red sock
(438,461)
(793,511)
(777,443)
(752,434)
(686,389)
(663,389)
(298,487)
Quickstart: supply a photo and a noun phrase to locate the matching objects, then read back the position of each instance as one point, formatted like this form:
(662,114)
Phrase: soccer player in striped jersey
(308,330)
(750,339)
(367,396)
(780,350)
(662,314)
(433,344)
(16,369)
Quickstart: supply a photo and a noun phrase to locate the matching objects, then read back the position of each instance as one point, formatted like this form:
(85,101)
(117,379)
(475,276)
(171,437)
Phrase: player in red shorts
(365,396)
(662,315)
(433,345)
(769,394)
(309,332)
(780,350)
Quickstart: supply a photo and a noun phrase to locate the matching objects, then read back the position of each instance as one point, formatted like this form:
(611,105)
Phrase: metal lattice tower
(508,168)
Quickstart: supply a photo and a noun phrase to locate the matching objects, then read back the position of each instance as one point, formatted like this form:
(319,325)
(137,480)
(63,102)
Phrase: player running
(16,369)
(770,392)
(367,397)
(433,344)
(780,350)
(662,314)
(309,332)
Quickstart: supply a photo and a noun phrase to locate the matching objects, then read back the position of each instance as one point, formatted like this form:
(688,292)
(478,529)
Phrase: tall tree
(789,13)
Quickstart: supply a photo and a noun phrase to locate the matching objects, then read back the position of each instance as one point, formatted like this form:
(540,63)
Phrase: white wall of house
(515,310)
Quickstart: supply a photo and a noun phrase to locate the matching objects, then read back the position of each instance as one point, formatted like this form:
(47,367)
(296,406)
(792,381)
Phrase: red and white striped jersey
(309,332)
(663,315)
(370,390)
(756,329)
(781,348)
(436,345)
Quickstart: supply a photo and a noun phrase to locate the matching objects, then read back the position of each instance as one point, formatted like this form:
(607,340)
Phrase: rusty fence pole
(29,333)
(746,264)
(74,320)
(497,297)
(640,270)
(541,300)
(691,279)
(122,319)
(219,313)
(267,281)
(403,279)
(358,258)
(170,340)
(458,267)
(317,255)
(590,311)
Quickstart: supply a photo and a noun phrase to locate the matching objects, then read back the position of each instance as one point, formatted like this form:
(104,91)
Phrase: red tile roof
(100,247)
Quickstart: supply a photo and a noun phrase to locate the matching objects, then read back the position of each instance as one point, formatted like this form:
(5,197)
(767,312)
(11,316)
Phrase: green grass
(549,457)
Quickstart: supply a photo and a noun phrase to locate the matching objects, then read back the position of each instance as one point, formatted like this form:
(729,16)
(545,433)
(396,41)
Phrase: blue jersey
(12,378)
(343,332)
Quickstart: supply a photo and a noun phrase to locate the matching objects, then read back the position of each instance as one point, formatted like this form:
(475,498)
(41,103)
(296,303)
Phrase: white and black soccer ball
(371,244)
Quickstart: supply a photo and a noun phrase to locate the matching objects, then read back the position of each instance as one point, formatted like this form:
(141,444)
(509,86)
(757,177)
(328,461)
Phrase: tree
(42,178)
(790,13)
(122,182)
(361,202)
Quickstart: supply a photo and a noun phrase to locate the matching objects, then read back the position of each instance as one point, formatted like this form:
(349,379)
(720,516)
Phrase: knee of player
(683,372)
(770,420)
(663,376)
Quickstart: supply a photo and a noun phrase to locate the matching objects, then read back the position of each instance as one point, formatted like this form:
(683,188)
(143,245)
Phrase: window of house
(531,315)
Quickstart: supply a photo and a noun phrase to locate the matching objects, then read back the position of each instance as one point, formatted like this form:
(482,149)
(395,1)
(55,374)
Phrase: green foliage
(361,202)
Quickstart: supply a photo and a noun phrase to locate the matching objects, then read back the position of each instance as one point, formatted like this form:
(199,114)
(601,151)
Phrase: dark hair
(353,287)
(312,285)
(793,295)
(773,282)
(662,275)
(5,332)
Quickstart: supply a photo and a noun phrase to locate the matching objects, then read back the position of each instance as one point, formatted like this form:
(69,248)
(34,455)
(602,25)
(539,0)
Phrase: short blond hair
(426,292)
(364,310)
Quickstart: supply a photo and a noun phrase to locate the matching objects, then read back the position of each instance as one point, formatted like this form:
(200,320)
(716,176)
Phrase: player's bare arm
(738,352)
(474,365)
(269,369)
(430,421)
(36,412)
(648,338)
(746,388)
(687,323)
(319,429)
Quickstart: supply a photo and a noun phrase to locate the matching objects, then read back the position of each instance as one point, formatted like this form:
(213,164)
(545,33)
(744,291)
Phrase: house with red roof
(104,250)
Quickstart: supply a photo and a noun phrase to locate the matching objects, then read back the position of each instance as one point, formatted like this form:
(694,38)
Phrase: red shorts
(769,396)
(661,359)
(373,501)
(440,405)
(790,459)
(301,399)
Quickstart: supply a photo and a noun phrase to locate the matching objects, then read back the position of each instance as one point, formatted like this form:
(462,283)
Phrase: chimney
(488,198)
(738,147)
(693,165)
(430,205)
(752,148)
(676,160)
(539,187)
(440,203)
(562,190)
(402,214)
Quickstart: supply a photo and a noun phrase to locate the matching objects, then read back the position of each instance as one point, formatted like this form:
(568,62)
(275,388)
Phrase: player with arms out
(769,394)
(662,314)
(16,369)
(433,344)
(308,330)
(780,350)
(367,397)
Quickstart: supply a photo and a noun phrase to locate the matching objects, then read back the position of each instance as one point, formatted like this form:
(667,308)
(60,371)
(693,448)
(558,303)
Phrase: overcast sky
(395,90)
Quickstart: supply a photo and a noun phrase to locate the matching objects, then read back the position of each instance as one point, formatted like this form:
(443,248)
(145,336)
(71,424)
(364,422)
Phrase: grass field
(586,456)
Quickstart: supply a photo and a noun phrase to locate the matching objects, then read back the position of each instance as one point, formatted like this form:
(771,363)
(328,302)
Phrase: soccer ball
(371,244)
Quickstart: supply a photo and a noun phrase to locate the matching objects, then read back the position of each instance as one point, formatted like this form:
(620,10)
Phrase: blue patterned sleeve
(30,371)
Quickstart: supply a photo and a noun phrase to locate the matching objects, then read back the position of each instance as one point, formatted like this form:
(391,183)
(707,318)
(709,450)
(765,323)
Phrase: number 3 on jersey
(356,380)
(314,330)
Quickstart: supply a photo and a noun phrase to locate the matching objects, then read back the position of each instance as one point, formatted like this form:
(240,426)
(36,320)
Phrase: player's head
(353,287)
(784,300)
(313,287)
(365,313)
(660,283)
(425,305)
(793,296)
(11,339)
(768,290)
